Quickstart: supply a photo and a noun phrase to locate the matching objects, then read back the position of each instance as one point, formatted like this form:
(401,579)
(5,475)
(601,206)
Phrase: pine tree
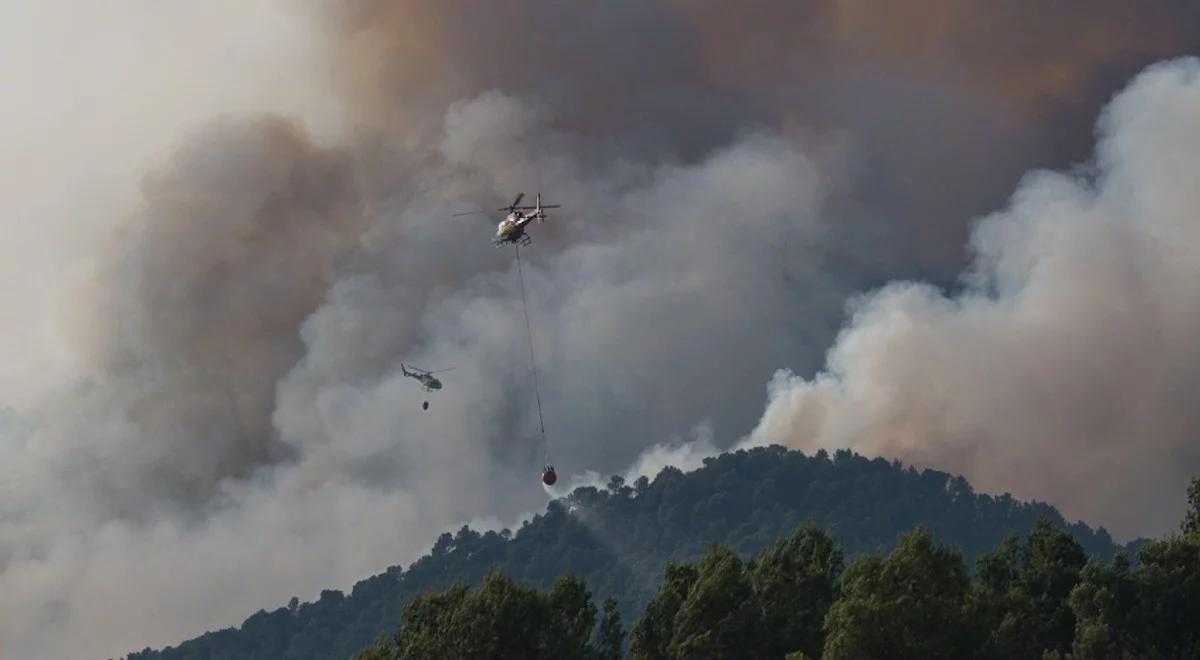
(610,639)
(911,604)
(796,582)
(720,618)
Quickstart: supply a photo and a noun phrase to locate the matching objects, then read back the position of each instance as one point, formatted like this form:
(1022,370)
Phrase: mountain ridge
(619,538)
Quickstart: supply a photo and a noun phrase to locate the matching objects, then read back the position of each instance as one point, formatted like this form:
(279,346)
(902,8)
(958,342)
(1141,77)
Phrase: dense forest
(1039,597)
(619,541)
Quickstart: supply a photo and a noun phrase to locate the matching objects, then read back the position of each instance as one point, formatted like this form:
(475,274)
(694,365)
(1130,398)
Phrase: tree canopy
(620,538)
(1033,596)
(501,618)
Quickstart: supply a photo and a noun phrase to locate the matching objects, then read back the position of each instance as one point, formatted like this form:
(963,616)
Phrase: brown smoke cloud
(1013,52)
(405,59)
(197,316)
(1063,371)
(970,95)
(728,177)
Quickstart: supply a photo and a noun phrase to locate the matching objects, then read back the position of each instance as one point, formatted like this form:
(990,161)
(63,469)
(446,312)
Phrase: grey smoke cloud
(233,429)
(931,90)
(1064,367)
(182,499)
(236,247)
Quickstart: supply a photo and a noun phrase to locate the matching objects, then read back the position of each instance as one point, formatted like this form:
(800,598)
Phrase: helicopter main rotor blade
(516,201)
(469,213)
(438,371)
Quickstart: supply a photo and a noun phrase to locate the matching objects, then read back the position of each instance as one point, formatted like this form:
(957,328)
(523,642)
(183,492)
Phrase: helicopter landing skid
(523,241)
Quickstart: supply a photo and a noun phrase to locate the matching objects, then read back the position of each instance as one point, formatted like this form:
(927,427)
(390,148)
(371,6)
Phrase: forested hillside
(619,540)
(1034,598)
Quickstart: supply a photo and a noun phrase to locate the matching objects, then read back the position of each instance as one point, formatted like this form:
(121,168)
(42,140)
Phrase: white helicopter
(428,382)
(512,228)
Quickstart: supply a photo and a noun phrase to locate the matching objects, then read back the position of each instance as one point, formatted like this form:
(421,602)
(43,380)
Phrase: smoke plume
(216,269)
(1062,367)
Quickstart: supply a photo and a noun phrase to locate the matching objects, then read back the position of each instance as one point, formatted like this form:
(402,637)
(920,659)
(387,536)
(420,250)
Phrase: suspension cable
(532,361)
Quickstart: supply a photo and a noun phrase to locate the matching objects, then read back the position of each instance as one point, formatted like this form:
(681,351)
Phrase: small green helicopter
(425,377)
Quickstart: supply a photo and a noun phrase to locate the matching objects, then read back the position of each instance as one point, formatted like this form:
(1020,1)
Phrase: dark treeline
(619,539)
(1037,597)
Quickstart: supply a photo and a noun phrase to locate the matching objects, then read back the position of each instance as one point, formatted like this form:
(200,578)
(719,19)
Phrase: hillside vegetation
(1032,598)
(618,541)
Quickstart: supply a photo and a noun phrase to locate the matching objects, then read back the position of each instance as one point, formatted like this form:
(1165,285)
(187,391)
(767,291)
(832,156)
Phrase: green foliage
(720,608)
(1102,603)
(502,618)
(427,618)
(1035,596)
(610,637)
(1151,610)
(913,603)
(652,636)
(620,538)
(1191,520)
(796,581)
(1022,593)
(572,620)
(721,617)
(1167,614)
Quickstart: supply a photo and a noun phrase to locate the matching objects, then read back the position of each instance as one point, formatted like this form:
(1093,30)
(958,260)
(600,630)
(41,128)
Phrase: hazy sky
(226,224)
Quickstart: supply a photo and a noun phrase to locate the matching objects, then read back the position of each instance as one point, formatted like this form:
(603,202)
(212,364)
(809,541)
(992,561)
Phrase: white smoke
(686,455)
(1065,368)
(217,422)
(135,483)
